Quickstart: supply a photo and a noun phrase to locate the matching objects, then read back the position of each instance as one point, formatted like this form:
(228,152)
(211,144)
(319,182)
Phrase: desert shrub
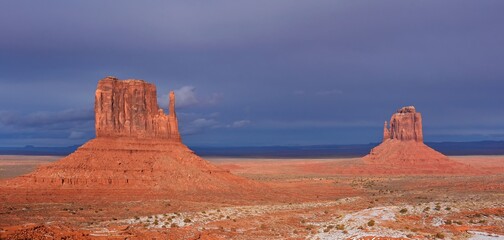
(439,235)
(340,227)
(371,223)
(404,210)
(187,220)
(448,222)
(136,217)
(447,208)
(426,209)
(156,222)
(437,208)
(173,225)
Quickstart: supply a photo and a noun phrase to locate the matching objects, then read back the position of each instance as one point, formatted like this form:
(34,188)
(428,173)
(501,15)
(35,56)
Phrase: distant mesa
(403,149)
(137,146)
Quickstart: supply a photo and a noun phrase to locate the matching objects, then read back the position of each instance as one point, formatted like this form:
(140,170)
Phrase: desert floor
(304,199)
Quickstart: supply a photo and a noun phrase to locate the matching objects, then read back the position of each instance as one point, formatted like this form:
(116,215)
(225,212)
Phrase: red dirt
(137,180)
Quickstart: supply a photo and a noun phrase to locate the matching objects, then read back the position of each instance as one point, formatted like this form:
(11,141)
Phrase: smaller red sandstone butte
(405,124)
(403,147)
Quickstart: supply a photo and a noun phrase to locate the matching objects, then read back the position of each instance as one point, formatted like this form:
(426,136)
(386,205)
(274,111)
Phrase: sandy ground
(12,165)
(321,202)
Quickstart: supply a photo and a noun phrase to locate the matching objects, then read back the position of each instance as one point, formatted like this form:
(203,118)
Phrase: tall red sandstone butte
(403,148)
(137,146)
(129,109)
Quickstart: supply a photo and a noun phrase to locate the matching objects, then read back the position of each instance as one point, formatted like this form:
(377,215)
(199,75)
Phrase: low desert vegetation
(371,223)
(340,227)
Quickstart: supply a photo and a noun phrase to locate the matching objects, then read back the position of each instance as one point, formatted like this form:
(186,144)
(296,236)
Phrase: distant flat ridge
(316,151)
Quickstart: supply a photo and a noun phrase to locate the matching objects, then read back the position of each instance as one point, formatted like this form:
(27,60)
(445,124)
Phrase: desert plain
(331,198)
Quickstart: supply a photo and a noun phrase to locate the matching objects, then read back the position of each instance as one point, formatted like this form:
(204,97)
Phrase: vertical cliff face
(128,108)
(405,125)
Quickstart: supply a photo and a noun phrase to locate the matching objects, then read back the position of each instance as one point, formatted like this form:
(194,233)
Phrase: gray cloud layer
(310,71)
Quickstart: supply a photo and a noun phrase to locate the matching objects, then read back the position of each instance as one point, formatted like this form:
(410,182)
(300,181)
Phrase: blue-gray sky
(257,72)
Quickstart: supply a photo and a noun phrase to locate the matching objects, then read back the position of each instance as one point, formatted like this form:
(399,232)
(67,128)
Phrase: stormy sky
(262,72)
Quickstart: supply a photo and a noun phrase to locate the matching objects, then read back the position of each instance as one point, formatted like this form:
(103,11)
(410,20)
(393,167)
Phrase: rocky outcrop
(137,146)
(403,150)
(129,108)
(386,132)
(405,125)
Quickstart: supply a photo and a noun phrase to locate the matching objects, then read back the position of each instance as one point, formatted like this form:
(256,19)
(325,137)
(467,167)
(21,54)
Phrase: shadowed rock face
(129,108)
(405,125)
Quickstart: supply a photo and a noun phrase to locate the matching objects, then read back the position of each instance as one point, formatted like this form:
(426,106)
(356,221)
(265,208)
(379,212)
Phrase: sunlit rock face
(405,125)
(403,145)
(128,108)
(137,146)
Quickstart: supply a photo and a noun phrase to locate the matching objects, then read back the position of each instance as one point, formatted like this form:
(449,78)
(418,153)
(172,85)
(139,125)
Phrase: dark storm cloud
(45,119)
(293,71)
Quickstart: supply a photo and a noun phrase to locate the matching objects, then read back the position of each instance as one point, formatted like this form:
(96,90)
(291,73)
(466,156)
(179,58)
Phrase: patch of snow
(484,236)
(355,225)
(436,222)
